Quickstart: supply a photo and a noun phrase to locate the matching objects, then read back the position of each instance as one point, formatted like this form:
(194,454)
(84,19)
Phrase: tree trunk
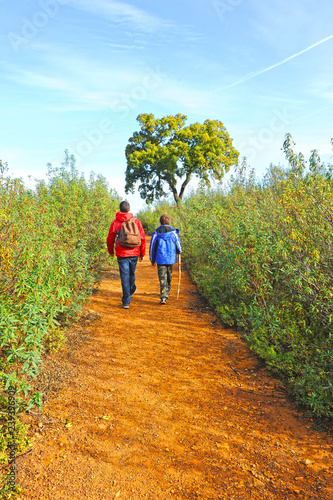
(174,190)
(172,186)
(186,181)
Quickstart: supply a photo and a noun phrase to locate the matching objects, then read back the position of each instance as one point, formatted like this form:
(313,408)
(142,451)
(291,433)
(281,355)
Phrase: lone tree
(165,150)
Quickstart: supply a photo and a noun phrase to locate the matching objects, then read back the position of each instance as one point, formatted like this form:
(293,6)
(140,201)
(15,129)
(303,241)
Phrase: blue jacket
(165,245)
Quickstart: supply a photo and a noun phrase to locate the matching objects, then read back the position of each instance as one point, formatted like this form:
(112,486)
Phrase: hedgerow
(261,252)
(52,249)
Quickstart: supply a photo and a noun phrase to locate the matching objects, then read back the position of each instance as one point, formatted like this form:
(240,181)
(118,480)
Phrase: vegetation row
(261,253)
(52,248)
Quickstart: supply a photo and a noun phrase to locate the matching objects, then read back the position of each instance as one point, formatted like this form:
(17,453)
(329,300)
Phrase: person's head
(124,206)
(165,220)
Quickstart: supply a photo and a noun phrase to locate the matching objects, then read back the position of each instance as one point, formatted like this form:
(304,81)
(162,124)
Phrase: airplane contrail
(256,73)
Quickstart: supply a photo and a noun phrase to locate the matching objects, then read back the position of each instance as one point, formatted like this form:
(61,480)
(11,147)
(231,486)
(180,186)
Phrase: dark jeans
(127,266)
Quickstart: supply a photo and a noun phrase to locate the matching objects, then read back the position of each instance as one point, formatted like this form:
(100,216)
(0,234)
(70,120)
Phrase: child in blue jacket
(164,247)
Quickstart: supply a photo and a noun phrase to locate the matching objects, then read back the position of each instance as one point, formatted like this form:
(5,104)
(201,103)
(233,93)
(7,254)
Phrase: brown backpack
(129,234)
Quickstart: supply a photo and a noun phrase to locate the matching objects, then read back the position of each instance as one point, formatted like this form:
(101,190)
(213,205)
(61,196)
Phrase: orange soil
(163,402)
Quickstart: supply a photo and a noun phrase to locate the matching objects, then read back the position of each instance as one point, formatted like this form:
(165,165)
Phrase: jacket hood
(123,216)
(166,236)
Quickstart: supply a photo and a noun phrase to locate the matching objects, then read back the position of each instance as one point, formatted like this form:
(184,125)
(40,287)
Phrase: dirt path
(162,402)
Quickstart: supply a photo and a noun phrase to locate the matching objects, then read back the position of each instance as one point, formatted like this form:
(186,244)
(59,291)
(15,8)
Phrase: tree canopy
(165,151)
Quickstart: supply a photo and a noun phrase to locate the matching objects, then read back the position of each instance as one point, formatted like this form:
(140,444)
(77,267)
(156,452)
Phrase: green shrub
(261,254)
(52,249)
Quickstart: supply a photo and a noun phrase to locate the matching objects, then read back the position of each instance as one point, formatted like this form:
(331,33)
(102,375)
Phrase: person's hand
(141,258)
(153,264)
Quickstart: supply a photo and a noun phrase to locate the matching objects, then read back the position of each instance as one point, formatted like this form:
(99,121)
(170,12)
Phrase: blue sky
(75,74)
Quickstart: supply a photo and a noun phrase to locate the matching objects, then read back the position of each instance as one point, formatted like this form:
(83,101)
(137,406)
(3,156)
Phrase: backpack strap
(118,230)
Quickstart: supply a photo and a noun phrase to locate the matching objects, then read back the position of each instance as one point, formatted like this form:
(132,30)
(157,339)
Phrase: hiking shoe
(163,300)
(126,306)
(133,292)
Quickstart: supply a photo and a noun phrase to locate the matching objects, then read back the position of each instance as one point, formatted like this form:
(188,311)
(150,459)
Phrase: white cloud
(121,12)
(121,47)
(329,96)
(134,21)
(97,88)
(101,87)
(36,79)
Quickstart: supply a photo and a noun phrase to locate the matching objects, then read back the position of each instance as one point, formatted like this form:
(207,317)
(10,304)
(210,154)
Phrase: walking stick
(179,273)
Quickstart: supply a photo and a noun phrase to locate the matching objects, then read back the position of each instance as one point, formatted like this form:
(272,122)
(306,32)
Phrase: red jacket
(122,251)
